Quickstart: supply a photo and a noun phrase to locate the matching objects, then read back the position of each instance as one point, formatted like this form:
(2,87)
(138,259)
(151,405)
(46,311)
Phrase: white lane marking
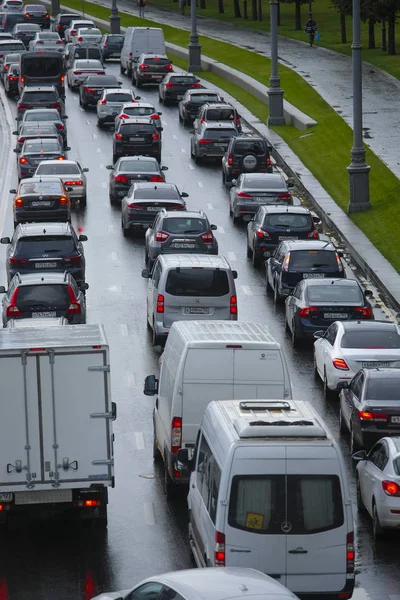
(183,150)
(175,137)
(231,255)
(220,229)
(88,122)
(114,256)
(94,136)
(111,229)
(131,379)
(98,150)
(210,206)
(140,445)
(164,122)
(104,184)
(81,109)
(124,329)
(246,290)
(102,166)
(200,184)
(191,167)
(149,513)
(116,289)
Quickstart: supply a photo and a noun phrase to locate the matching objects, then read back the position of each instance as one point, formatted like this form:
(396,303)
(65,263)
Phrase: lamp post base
(194,55)
(359,186)
(55,7)
(115,22)
(275,106)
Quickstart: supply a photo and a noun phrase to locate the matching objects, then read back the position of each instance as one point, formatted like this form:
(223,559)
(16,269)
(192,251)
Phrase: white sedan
(348,346)
(81,69)
(378,484)
(47,40)
(71,174)
(88,35)
(139,109)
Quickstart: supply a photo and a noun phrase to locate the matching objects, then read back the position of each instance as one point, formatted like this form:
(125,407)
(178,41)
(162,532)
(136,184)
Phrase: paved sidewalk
(327,71)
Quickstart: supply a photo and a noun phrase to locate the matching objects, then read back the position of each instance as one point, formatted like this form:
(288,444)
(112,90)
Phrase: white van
(204,361)
(139,40)
(268,490)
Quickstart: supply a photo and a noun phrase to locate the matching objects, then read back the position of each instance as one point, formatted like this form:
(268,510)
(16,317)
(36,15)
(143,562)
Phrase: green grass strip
(326,152)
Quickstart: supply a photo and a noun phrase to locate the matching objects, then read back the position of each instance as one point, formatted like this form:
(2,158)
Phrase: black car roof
(103,80)
(29,229)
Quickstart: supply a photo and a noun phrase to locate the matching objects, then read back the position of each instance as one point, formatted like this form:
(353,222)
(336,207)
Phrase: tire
(113,199)
(223,178)
(328,394)
(138,84)
(169,485)
(277,298)
(255,259)
(342,425)
(15,224)
(294,338)
(360,503)
(155,339)
(255,163)
(83,201)
(129,73)
(377,530)
(180,118)
(121,69)
(160,99)
(84,105)
(234,219)
(165,101)
(315,370)
(158,157)
(115,158)
(354,445)
(249,252)
(100,123)
(157,458)
(124,231)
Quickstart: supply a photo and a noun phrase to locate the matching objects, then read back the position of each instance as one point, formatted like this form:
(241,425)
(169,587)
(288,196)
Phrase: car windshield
(48,35)
(309,259)
(32,97)
(220,114)
(197,282)
(31,297)
(138,166)
(137,128)
(61,168)
(41,116)
(371,339)
(201,98)
(41,187)
(383,389)
(35,8)
(244,146)
(181,225)
(119,97)
(156,194)
(217,134)
(43,146)
(49,244)
(294,221)
(334,293)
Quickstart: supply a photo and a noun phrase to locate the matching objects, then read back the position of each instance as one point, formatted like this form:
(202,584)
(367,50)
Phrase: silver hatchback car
(71,174)
(211,140)
(111,102)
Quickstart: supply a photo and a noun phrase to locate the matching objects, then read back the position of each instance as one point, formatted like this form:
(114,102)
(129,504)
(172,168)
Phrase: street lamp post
(194,46)
(358,169)
(115,21)
(275,93)
(55,7)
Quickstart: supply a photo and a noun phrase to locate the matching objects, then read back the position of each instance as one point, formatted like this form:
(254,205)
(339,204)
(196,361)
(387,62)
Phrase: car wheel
(82,201)
(328,393)
(113,199)
(115,158)
(256,259)
(165,101)
(315,370)
(277,296)
(100,123)
(360,503)
(377,530)
(138,84)
(342,425)
(234,218)
(157,458)
(294,338)
(180,117)
(84,105)
(160,99)
(121,69)
(124,231)
(249,252)
(223,178)
(129,72)
(268,287)
(354,445)
(155,339)
(169,486)
(15,224)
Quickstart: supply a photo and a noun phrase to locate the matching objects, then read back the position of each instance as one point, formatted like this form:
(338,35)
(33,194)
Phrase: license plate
(41,204)
(313,275)
(154,208)
(287,237)
(45,265)
(194,310)
(395,420)
(136,139)
(40,315)
(336,316)
(6,497)
(375,364)
(184,245)
(179,97)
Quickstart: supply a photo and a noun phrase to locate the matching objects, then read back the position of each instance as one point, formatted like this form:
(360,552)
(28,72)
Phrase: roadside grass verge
(324,149)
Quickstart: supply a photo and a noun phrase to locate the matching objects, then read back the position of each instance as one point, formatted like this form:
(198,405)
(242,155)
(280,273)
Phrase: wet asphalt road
(49,560)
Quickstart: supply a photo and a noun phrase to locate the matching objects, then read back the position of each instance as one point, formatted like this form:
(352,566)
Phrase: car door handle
(298,551)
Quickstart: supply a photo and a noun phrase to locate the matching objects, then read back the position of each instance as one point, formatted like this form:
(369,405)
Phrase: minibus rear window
(197,282)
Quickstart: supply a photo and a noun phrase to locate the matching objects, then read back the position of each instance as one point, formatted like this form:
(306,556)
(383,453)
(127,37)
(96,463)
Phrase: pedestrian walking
(141,4)
(310,28)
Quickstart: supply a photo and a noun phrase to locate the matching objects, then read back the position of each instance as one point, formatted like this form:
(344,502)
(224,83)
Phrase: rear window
(46,130)
(261,504)
(181,225)
(334,293)
(216,134)
(156,61)
(44,146)
(137,129)
(309,259)
(53,245)
(31,297)
(49,35)
(87,53)
(156,194)
(119,97)
(32,97)
(28,27)
(372,339)
(64,20)
(244,146)
(92,31)
(12,58)
(115,38)
(138,166)
(88,64)
(43,66)
(220,114)
(183,79)
(42,116)
(35,8)
(387,390)
(8,48)
(197,282)
(139,111)
(59,169)
(14,18)
(201,98)
(293,221)
(42,187)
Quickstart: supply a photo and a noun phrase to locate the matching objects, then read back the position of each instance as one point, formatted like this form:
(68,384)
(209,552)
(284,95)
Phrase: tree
(254,14)
(221,7)
(345,9)
(236,9)
(387,9)
(298,25)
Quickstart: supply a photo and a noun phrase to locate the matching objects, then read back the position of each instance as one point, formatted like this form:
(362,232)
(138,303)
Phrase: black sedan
(174,86)
(145,200)
(37,13)
(370,406)
(129,169)
(92,88)
(25,32)
(316,303)
(45,247)
(191,102)
(38,200)
(37,130)
(35,151)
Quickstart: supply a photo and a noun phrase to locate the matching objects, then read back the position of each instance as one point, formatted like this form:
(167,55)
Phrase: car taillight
(144,66)
(75,182)
(169,85)
(176,433)
(77,72)
(160,303)
(74,260)
(155,136)
(207,237)
(57,105)
(313,235)
(219,551)
(23,160)
(339,263)
(237,121)
(61,158)
(105,44)
(6,67)
(230,160)
(12,78)
(261,233)
(168,67)
(60,127)
(18,202)
(18,261)
(130,54)
(196,85)
(20,140)
(243,195)
(63,201)
(12,308)
(122,178)
(305,312)
(340,363)
(154,117)
(391,488)
(350,552)
(285,266)
(201,142)
(22,106)
(80,39)
(365,313)
(233,305)
(89,90)
(136,206)
(118,136)
(161,236)
(59,26)
(74,307)
(100,73)
(22,78)
(285,196)
(73,31)
(366,415)
(156,178)
(102,101)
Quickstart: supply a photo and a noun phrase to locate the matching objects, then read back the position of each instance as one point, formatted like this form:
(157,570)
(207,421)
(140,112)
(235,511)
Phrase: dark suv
(45,247)
(179,232)
(273,224)
(111,45)
(137,137)
(62,22)
(293,261)
(246,155)
(40,97)
(150,68)
(174,86)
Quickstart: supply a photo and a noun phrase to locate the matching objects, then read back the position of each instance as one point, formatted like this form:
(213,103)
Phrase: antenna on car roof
(44,231)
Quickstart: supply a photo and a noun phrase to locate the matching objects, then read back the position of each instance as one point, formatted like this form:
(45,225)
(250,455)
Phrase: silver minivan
(189,287)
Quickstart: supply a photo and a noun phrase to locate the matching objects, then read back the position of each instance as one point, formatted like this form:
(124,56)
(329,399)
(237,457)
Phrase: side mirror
(13,191)
(85,170)
(368,293)
(184,195)
(70,189)
(145,274)
(342,385)
(340,253)
(83,238)
(150,386)
(159,113)
(234,182)
(192,131)
(2,289)
(197,80)
(68,148)
(5,240)
(17,151)
(316,220)
(360,455)
(138,97)
(164,168)
(15,132)
(83,286)
(110,167)
(113,411)
(319,334)
(161,129)
(214,227)
(270,148)
(234,274)
(65,117)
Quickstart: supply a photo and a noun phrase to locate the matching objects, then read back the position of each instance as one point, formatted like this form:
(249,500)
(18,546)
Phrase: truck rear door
(258,374)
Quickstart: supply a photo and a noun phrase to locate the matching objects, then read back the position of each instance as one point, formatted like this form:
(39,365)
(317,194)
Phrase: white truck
(56,439)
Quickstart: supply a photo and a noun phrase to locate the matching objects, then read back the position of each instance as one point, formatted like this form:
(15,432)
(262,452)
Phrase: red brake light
(12,308)
(350,553)
(268,161)
(365,415)
(102,101)
(160,303)
(313,235)
(118,136)
(305,312)
(74,260)
(130,54)
(205,141)
(243,195)
(90,503)
(155,136)
(77,72)
(230,159)
(124,116)
(285,196)
(100,73)
(161,236)
(63,201)
(57,105)
(18,261)
(168,85)
(340,363)
(22,106)
(80,39)
(154,117)
(59,26)
(207,237)
(285,266)
(196,85)
(176,433)
(23,160)
(122,178)
(219,551)
(76,182)
(233,306)
(89,90)
(391,488)
(144,66)
(61,158)
(365,312)
(136,206)
(261,233)
(74,307)
(18,202)
(73,31)
(168,67)
(156,178)
(6,67)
